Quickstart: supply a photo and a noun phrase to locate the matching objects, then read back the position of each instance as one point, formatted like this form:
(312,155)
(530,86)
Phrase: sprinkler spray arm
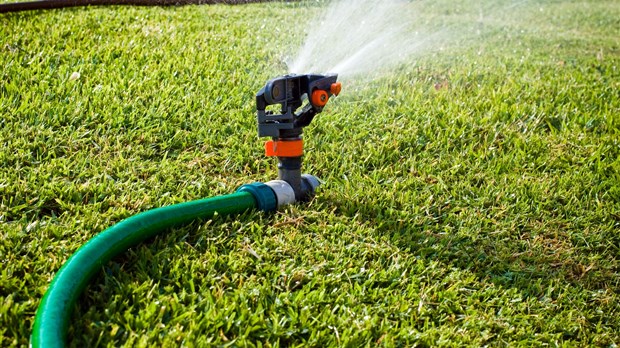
(285,129)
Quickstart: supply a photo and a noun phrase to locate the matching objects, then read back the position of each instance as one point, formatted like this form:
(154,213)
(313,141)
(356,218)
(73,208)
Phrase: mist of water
(354,37)
(367,37)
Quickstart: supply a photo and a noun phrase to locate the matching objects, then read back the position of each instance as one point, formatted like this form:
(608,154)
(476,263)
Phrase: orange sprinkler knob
(319,98)
(335,88)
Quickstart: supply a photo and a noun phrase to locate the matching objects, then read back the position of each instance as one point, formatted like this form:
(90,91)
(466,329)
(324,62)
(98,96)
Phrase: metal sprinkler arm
(285,129)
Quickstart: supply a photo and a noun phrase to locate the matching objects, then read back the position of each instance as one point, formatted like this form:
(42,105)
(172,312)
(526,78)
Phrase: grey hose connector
(284,192)
(311,182)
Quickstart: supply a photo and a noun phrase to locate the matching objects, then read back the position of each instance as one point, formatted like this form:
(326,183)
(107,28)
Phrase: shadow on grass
(519,258)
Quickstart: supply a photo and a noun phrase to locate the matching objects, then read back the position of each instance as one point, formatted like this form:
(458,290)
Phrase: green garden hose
(54,312)
(52,4)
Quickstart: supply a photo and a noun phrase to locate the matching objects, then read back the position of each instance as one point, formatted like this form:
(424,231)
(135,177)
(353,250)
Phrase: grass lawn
(471,197)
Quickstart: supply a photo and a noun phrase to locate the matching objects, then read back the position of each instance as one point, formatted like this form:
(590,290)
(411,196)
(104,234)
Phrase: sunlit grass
(471,197)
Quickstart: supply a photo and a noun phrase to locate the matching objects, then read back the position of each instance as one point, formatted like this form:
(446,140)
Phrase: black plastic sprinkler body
(286,128)
(54,312)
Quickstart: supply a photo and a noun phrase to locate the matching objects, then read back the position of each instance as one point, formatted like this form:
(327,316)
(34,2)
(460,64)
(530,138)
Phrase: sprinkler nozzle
(335,88)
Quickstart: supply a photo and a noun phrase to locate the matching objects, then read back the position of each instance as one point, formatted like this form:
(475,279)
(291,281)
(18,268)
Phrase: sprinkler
(54,312)
(286,128)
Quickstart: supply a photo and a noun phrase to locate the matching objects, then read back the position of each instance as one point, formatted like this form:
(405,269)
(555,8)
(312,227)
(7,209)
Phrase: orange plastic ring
(319,98)
(284,148)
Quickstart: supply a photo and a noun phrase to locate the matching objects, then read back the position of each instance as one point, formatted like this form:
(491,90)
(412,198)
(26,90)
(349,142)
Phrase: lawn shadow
(512,259)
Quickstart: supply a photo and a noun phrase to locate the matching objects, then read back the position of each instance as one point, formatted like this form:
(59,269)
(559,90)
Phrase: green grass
(485,211)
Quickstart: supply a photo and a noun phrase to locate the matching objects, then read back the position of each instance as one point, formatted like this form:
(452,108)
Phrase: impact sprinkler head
(290,91)
(285,128)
